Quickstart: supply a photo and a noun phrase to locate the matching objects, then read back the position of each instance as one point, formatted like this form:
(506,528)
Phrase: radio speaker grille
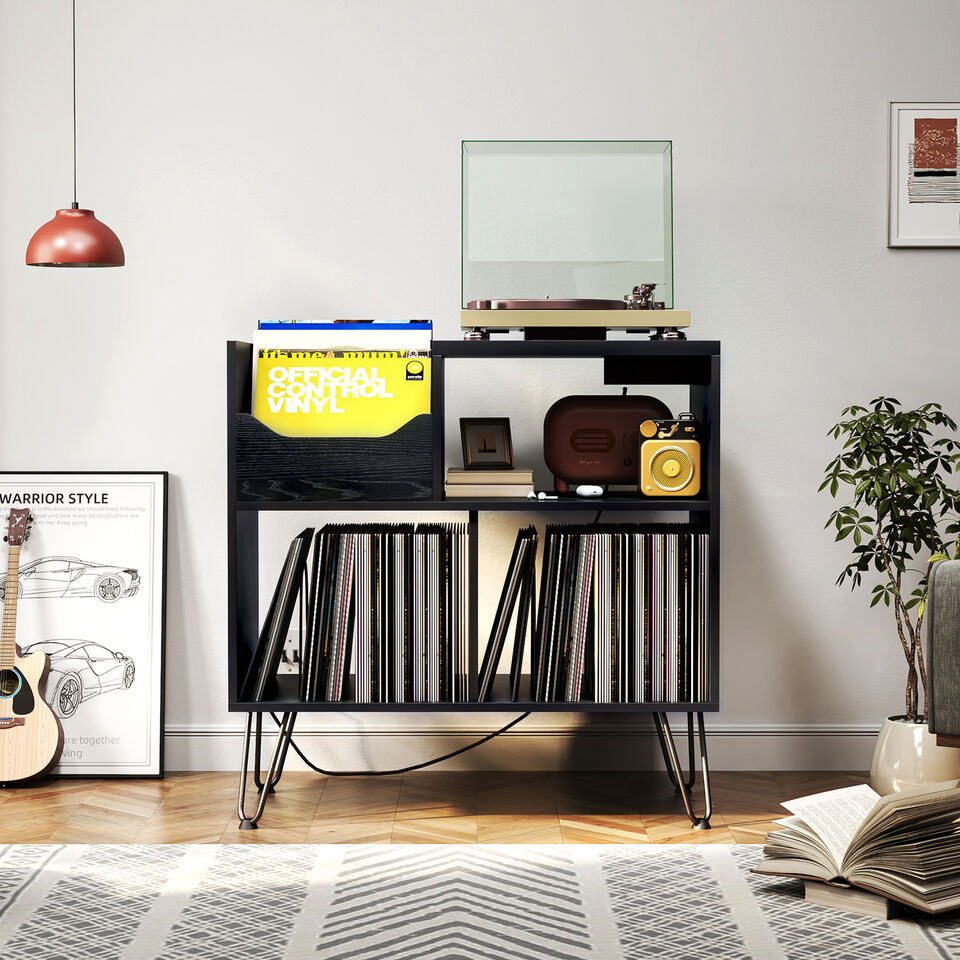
(671,468)
(597,440)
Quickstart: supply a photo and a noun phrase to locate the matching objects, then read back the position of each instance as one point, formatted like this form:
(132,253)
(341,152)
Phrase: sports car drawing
(70,577)
(80,670)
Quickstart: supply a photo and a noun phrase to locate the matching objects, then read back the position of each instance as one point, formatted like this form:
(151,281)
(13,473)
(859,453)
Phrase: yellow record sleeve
(326,393)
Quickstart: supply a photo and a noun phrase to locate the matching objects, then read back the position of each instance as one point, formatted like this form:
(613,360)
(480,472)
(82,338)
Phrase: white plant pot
(906,756)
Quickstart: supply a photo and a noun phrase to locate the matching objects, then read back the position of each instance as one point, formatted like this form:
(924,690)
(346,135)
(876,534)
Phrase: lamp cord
(413,766)
(75,205)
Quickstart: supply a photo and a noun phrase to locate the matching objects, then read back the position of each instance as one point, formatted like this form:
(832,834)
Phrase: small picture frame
(486,443)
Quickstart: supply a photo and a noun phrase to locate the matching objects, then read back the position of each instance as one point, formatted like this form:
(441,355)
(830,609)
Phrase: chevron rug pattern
(548,902)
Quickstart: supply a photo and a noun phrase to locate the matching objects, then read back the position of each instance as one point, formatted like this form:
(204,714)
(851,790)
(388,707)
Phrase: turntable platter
(546,304)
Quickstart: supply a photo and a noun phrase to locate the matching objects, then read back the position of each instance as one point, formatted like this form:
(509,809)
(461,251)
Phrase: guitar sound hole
(9,682)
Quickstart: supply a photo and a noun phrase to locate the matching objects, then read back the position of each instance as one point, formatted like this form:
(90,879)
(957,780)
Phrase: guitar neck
(8,632)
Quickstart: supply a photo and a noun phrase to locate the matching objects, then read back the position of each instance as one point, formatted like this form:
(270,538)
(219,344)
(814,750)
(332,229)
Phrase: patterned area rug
(405,902)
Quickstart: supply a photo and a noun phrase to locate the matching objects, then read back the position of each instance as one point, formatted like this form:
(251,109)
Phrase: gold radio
(670,457)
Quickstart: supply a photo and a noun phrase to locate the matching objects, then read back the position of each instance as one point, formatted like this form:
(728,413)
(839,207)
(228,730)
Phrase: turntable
(582,220)
(582,319)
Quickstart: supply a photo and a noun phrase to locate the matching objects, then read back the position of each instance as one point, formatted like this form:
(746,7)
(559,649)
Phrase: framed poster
(924,174)
(91,595)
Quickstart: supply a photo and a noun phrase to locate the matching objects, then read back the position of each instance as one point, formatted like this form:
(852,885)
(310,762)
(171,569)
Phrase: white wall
(303,158)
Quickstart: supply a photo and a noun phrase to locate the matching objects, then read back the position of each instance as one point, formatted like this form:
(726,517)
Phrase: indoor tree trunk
(911,691)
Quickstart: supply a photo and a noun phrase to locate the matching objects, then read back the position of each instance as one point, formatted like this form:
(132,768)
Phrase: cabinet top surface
(497,347)
(575,348)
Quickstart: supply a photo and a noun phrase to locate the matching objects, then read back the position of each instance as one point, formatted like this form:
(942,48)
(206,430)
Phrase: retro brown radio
(670,457)
(593,440)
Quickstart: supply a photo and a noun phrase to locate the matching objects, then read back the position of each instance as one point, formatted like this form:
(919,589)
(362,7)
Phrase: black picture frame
(159,614)
(486,443)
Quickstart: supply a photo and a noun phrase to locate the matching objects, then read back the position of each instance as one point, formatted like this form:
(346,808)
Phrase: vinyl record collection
(394,598)
(621,617)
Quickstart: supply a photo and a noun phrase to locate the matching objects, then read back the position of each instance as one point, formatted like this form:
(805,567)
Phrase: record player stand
(696,364)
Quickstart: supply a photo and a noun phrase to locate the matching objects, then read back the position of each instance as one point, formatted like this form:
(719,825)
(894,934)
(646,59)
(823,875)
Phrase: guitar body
(31,737)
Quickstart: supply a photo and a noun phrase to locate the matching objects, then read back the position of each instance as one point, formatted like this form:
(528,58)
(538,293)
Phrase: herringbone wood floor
(422,807)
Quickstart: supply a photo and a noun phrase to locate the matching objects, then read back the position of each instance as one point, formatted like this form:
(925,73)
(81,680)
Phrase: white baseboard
(601,745)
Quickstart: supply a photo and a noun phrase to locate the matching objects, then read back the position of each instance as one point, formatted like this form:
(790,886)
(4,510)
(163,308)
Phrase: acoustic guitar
(31,738)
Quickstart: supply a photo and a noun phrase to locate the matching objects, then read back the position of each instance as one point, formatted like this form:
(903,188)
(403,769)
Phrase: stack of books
(851,843)
(488,483)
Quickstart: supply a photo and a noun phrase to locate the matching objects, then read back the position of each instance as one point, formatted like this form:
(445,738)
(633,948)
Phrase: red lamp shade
(74,238)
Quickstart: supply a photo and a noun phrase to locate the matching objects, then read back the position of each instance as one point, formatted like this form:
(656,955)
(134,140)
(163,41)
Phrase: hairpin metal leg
(257,766)
(257,758)
(691,765)
(286,746)
(663,752)
(692,779)
(273,773)
(672,760)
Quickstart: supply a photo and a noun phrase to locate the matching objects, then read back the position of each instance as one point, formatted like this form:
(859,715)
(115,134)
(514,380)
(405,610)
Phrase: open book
(905,846)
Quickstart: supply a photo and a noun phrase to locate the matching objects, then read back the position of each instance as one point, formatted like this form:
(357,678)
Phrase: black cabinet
(266,472)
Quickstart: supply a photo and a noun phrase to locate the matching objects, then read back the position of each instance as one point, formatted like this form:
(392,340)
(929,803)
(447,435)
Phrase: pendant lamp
(74,237)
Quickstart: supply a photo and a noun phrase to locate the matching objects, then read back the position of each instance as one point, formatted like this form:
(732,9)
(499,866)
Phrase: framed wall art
(924,201)
(91,595)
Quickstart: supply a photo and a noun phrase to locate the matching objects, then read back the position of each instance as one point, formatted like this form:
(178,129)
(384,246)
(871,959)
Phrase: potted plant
(900,519)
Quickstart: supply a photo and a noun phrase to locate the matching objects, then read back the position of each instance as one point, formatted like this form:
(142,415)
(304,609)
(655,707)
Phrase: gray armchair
(942,619)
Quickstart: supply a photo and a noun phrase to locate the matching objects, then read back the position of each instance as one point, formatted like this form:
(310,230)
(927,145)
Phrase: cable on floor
(415,766)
